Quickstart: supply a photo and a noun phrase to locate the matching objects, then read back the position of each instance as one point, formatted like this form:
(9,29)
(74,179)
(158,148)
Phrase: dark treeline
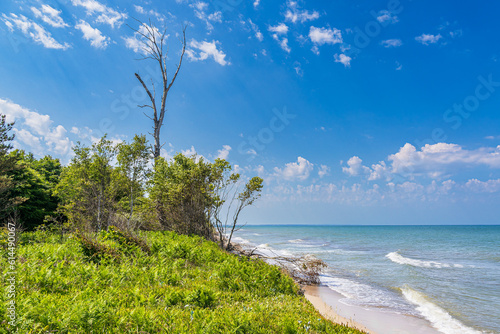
(108,184)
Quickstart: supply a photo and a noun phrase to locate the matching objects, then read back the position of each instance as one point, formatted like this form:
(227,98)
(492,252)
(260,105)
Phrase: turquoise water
(448,275)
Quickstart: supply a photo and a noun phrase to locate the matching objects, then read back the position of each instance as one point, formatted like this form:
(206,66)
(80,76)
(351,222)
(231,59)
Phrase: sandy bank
(312,294)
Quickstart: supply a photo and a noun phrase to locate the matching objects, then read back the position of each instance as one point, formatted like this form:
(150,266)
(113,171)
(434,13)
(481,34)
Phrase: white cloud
(33,30)
(139,9)
(320,36)
(28,139)
(200,8)
(255,28)
(294,15)
(224,152)
(256,3)
(36,130)
(433,161)
(189,152)
(323,170)
(206,50)
(489,186)
(105,14)
(299,170)
(386,16)
(391,43)
(50,16)
(427,39)
(343,59)
(94,35)
(137,42)
(279,29)
(355,167)
(283,43)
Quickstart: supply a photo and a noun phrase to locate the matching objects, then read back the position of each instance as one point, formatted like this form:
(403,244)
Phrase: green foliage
(90,187)
(185,285)
(180,191)
(34,182)
(8,164)
(133,160)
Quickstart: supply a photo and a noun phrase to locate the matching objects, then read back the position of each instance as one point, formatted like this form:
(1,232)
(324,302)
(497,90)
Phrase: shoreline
(329,304)
(371,320)
(311,292)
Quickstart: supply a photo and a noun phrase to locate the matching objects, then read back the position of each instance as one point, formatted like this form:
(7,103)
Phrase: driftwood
(304,270)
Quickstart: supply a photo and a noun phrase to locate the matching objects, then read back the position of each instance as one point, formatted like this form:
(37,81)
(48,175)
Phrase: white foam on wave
(439,318)
(296,241)
(398,258)
(240,240)
(361,294)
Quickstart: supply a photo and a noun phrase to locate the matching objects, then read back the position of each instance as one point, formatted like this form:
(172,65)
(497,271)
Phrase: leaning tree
(153,47)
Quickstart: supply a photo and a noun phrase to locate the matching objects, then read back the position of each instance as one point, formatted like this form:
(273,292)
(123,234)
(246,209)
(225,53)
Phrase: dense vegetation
(160,282)
(108,184)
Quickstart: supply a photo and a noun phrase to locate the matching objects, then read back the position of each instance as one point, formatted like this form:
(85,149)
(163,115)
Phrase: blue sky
(366,112)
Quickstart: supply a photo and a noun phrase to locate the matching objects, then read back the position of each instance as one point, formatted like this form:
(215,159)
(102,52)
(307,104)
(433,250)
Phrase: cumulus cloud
(433,161)
(386,16)
(355,166)
(294,14)
(278,30)
(104,13)
(321,36)
(33,30)
(391,43)
(50,16)
(36,130)
(323,170)
(256,3)
(224,152)
(204,50)
(427,39)
(292,171)
(94,35)
(489,186)
(343,59)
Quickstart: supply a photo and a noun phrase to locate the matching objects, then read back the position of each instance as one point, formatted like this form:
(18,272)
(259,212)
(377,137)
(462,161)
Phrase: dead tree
(153,43)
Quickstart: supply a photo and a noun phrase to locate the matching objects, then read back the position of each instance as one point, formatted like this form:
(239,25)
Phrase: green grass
(172,284)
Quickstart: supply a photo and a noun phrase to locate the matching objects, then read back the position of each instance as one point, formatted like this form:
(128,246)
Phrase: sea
(447,275)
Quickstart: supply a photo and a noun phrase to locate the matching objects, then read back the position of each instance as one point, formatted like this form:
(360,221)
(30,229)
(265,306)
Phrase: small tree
(153,47)
(225,219)
(8,164)
(86,189)
(180,191)
(133,160)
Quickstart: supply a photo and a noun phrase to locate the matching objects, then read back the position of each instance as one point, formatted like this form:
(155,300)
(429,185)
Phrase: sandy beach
(370,320)
(312,294)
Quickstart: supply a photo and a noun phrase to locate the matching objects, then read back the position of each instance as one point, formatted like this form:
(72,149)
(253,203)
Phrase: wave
(296,241)
(439,318)
(398,258)
(357,293)
(240,240)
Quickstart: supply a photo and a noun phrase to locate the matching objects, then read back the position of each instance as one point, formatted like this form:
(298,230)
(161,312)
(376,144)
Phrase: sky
(353,112)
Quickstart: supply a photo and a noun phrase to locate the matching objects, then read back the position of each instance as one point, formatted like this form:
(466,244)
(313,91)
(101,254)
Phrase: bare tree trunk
(131,204)
(99,211)
(153,45)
